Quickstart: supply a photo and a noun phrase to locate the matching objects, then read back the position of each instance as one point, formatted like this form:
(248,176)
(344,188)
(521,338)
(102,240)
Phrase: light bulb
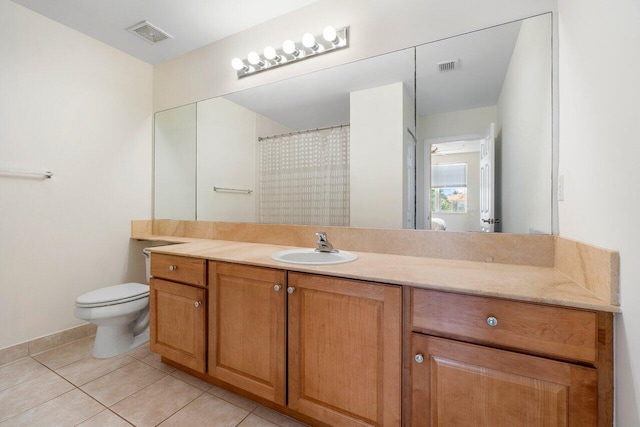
(289,47)
(309,41)
(253,58)
(270,53)
(330,35)
(237,64)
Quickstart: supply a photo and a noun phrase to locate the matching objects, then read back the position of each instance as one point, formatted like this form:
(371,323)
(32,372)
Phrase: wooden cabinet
(177,309)
(345,350)
(177,319)
(458,384)
(247,328)
(477,370)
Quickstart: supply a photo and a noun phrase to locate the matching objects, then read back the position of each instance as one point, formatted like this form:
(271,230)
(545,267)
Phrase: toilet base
(113,340)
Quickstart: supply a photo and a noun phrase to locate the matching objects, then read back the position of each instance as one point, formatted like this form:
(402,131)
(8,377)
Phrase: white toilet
(121,313)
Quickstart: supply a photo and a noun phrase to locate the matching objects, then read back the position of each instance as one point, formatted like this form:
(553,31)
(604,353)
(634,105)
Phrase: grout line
(245,417)
(137,391)
(187,404)
(103,375)
(40,404)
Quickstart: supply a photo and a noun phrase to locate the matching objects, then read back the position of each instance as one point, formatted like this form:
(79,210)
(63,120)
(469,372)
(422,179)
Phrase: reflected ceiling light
(310,45)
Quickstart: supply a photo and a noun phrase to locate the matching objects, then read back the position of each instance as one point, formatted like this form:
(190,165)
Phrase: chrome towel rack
(45,174)
(232,190)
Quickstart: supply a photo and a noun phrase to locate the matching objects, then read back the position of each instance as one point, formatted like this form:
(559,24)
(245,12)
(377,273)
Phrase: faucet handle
(322,236)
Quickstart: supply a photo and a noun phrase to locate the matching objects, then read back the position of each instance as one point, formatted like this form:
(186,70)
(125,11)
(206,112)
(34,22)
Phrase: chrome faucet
(323,243)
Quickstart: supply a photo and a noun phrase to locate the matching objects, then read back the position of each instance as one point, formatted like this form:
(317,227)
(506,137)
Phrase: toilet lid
(113,294)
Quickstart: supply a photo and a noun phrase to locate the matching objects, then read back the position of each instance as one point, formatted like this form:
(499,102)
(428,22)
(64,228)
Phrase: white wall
(377,157)
(175,163)
(524,124)
(83,110)
(376,27)
(599,148)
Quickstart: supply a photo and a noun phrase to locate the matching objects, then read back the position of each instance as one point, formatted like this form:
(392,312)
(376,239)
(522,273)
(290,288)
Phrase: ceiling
(191,23)
(484,59)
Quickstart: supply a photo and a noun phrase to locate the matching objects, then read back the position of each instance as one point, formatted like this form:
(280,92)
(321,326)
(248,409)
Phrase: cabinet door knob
(197,304)
(277,288)
(419,358)
(173,267)
(492,321)
(291,290)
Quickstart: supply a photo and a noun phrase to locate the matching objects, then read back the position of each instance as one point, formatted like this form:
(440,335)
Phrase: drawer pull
(197,304)
(492,321)
(173,267)
(277,288)
(291,290)
(419,358)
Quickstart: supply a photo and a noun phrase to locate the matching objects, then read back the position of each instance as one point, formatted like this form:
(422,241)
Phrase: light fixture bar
(309,46)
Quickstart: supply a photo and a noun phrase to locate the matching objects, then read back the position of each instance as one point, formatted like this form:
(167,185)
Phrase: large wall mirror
(450,135)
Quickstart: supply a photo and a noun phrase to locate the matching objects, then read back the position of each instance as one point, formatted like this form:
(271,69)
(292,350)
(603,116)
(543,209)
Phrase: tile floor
(66,386)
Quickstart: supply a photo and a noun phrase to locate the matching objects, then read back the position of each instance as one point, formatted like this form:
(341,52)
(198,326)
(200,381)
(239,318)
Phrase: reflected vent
(448,65)
(149,32)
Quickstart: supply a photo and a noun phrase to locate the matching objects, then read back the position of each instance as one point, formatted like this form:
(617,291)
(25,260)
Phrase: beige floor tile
(22,397)
(122,382)
(141,351)
(190,379)
(62,356)
(207,410)
(88,369)
(68,409)
(243,402)
(157,402)
(255,421)
(276,417)
(154,360)
(105,418)
(20,371)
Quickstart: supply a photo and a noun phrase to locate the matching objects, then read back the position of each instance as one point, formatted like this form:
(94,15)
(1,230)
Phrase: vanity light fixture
(310,45)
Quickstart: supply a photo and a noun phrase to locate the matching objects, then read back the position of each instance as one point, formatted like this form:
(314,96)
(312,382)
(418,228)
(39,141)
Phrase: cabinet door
(247,335)
(177,318)
(458,384)
(345,350)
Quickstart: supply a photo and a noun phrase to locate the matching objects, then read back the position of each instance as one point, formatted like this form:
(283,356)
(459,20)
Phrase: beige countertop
(544,285)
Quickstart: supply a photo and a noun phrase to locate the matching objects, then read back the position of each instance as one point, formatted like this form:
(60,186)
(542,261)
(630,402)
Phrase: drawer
(178,269)
(553,331)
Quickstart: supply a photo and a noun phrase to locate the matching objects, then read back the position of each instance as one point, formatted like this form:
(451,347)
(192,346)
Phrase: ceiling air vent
(451,65)
(149,32)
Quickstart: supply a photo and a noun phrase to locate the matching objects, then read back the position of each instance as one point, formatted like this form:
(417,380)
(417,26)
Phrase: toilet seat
(112,295)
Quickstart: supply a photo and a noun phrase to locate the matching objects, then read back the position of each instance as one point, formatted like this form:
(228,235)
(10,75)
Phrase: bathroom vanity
(386,340)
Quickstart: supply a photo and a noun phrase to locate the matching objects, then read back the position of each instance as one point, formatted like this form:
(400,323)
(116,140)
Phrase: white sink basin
(311,257)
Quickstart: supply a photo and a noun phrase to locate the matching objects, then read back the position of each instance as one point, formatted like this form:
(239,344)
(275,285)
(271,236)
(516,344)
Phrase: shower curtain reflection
(304,178)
